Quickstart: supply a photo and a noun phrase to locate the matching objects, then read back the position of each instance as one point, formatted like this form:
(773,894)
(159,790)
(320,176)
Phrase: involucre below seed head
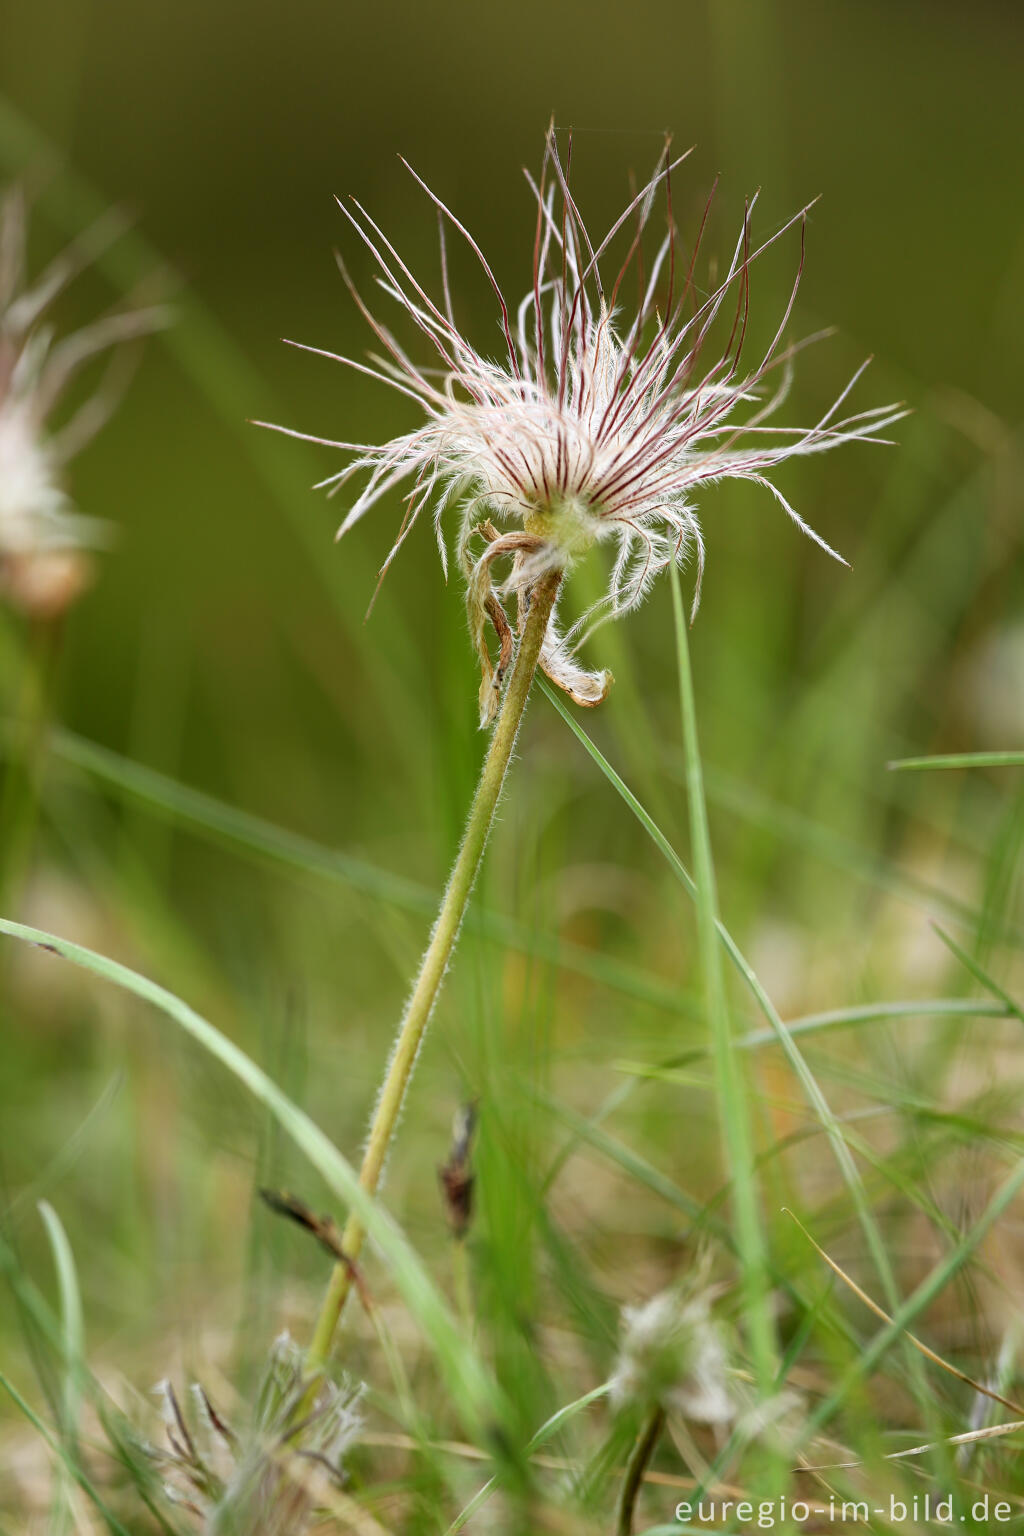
(600,422)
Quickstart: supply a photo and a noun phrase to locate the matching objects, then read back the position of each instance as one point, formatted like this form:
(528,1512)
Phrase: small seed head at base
(268,1477)
(600,423)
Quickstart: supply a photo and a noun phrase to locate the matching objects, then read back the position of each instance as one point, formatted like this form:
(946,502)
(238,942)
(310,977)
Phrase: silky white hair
(596,424)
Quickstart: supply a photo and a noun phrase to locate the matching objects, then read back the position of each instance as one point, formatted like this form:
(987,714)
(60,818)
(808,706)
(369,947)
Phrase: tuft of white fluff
(673,1354)
(43,540)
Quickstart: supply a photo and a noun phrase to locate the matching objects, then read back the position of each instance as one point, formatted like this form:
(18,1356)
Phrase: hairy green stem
(439,951)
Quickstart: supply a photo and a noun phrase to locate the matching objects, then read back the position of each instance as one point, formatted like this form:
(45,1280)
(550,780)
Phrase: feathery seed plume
(598,423)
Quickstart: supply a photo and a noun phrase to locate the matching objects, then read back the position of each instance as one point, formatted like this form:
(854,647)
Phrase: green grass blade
(547,1432)
(924,1294)
(74,1471)
(730,1081)
(72,1323)
(778,1031)
(630,1162)
(619,784)
(228,824)
(66,1156)
(870,1013)
(806,1024)
(980,974)
(959,760)
(475,1396)
(801,831)
(268,841)
(71,1314)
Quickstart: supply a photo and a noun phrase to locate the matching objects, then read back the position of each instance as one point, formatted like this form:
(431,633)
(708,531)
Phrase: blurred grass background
(224,645)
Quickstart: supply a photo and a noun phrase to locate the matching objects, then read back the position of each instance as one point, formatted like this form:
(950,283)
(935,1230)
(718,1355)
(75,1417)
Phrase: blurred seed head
(270,1477)
(673,1355)
(45,560)
(601,422)
(456,1175)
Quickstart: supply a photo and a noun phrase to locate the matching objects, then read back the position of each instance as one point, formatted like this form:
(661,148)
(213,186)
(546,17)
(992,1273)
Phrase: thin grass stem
(640,1456)
(731,1087)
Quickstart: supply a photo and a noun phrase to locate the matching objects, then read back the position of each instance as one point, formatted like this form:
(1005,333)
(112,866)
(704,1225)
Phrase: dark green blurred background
(224,642)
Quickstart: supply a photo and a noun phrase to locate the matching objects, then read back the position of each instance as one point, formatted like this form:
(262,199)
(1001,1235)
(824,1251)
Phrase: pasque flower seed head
(599,423)
(44,542)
